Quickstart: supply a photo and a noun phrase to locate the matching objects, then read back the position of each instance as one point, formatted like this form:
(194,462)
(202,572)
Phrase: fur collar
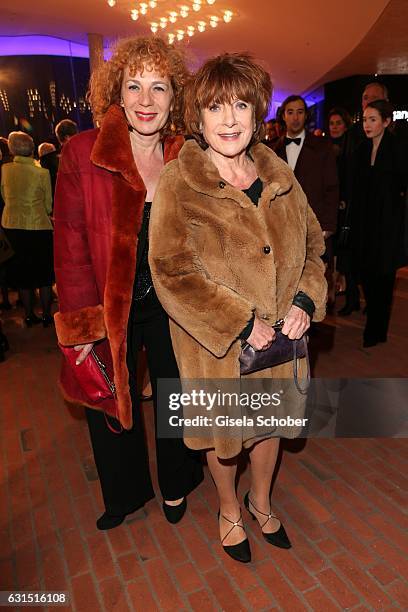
(113,152)
(201,174)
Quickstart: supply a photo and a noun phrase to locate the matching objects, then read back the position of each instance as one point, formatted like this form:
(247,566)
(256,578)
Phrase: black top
(254,191)
(143,281)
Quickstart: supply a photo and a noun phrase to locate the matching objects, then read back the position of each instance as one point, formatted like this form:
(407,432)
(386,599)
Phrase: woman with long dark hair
(379,191)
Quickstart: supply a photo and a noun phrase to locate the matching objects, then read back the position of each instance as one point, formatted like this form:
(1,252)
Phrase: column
(95,44)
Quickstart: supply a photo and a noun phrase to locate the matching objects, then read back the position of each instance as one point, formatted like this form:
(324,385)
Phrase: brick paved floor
(343,503)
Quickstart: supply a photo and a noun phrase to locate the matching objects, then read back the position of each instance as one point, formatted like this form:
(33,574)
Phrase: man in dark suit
(313,162)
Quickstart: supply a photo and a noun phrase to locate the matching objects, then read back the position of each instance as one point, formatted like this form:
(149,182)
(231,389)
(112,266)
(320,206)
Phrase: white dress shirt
(293,150)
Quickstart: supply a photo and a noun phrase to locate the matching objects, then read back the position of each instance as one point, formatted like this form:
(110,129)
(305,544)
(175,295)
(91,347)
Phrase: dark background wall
(38,91)
(347,92)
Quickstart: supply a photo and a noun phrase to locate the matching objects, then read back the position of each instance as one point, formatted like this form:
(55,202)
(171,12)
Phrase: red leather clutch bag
(92,377)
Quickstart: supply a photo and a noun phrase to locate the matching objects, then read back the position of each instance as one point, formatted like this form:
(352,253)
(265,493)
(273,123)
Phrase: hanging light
(143,8)
(172,38)
(196,6)
(134,14)
(210,1)
(154,27)
(184,11)
(180,34)
(153,3)
(201,26)
(111,2)
(190,30)
(213,21)
(163,22)
(227,16)
(173,16)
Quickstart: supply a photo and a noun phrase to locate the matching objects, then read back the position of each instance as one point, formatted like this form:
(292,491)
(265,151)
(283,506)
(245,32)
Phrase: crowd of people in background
(26,204)
(357,196)
(356,182)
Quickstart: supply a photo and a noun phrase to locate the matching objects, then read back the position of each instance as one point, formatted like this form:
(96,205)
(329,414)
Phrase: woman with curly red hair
(106,182)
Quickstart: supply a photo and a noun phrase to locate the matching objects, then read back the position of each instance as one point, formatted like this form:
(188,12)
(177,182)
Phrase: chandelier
(177,21)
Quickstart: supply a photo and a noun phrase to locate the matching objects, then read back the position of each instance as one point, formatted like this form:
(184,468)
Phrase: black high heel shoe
(47,320)
(32,320)
(278,538)
(174,514)
(239,552)
(348,309)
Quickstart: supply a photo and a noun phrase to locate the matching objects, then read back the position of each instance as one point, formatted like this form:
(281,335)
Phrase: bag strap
(302,391)
(112,429)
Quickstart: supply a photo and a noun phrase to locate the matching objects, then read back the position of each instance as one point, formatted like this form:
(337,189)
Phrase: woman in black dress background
(379,191)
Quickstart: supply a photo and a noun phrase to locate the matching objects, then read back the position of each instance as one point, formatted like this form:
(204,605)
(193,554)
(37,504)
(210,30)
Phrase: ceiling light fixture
(184,11)
(227,16)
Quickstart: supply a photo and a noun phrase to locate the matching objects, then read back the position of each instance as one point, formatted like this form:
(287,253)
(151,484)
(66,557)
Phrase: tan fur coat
(211,269)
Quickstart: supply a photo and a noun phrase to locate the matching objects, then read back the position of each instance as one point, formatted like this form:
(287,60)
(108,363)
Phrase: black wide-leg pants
(122,460)
(378,292)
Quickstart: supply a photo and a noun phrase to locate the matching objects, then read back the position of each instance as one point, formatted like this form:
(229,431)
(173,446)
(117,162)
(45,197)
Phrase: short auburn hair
(139,53)
(222,79)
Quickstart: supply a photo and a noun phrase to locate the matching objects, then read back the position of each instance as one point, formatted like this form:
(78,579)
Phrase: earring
(122,103)
(173,126)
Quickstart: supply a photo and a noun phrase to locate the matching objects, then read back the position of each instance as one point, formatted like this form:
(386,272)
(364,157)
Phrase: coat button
(221,185)
(267,249)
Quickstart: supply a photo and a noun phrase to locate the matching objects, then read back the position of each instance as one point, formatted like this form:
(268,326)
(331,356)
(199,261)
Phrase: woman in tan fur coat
(234,247)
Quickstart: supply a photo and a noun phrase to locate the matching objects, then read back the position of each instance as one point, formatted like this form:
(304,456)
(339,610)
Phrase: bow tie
(288,141)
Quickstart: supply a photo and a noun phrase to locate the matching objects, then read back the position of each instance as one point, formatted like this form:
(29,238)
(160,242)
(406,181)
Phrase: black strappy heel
(278,538)
(239,552)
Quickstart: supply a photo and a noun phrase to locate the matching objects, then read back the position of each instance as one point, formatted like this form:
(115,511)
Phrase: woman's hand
(85,350)
(297,322)
(262,335)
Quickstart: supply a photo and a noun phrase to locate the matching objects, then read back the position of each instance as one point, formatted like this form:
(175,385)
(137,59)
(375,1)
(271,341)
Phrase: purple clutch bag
(282,350)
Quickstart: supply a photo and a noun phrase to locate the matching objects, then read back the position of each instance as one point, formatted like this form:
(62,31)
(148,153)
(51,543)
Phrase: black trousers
(122,460)
(378,291)
(352,292)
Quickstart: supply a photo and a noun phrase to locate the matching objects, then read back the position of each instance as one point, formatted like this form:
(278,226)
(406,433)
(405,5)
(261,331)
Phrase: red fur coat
(98,211)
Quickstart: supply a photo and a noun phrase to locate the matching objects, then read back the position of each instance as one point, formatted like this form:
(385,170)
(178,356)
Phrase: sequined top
(143,281)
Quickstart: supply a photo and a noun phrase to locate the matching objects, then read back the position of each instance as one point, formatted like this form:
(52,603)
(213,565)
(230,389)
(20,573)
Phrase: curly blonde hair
(140,53)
